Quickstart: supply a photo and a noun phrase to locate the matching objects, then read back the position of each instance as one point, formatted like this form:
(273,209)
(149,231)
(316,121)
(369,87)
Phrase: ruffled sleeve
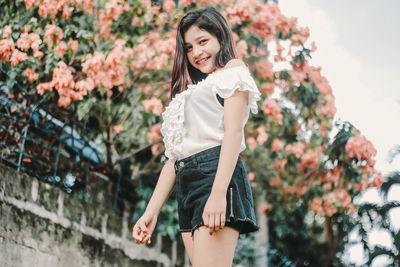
(226,81)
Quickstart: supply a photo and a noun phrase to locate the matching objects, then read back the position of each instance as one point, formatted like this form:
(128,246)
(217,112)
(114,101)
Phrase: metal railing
(37,142)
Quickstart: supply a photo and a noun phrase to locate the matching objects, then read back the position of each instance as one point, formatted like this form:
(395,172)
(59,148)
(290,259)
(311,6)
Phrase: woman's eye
(203,41)
(188,49)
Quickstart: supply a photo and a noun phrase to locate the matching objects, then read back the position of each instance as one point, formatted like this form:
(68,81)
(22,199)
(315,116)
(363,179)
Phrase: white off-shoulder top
(194,119)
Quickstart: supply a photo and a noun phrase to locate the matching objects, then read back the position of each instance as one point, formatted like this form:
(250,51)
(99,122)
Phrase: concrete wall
(41,225)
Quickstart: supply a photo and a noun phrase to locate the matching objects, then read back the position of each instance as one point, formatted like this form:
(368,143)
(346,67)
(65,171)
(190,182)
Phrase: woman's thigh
(217,249)
(188,242)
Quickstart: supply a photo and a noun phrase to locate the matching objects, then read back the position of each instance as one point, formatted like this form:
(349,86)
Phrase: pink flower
(88,6)
(6,31)
(156,149)
(73,45)
(272,109)
(251,176)
(359,147)
(276,145)
(316,206)
(279,165)
(49,8)
(275,182)
(361,186)
(64,101)
(52,35)
(267,88)
(187,2)
(251,142)
(29,3)
(60,49)
(264,208)
(6,49)
(298,149)
(264,70)
(118,128)
(17,57)
(30,74)
(42,87)
(153,104)
(241,48)
(309,160)
(169,6)
(262,135)
(378,181)
(155,134)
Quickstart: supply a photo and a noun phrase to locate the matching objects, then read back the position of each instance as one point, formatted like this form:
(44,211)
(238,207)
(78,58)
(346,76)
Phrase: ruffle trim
(172,127)
(226,81)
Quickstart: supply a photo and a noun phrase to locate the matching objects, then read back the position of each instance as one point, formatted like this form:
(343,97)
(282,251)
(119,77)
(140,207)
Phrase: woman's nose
(196,52)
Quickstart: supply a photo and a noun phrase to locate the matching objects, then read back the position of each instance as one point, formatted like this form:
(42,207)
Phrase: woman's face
(201,48)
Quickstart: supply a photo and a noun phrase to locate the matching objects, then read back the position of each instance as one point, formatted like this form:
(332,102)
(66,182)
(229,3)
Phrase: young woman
(212,95)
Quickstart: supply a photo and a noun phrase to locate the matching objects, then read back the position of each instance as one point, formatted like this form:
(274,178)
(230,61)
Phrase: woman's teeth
(202,61)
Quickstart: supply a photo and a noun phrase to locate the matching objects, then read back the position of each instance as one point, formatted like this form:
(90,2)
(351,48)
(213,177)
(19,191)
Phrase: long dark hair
(210,20)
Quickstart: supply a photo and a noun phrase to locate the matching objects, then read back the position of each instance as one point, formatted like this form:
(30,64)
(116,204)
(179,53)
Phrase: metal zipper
(231,190)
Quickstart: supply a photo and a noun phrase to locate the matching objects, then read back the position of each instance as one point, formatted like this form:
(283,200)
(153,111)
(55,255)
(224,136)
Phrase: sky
(358,50)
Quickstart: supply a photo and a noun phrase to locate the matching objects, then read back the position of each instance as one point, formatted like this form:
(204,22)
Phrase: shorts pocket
(209,167)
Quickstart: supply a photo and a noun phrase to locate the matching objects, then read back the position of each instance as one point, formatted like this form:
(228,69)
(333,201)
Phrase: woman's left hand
(215,211)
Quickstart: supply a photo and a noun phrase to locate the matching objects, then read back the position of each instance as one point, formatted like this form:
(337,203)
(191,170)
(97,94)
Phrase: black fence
(58,152)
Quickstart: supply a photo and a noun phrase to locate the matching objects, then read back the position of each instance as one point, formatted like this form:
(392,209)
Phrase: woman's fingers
(211,223)
(223,220)
(217,222)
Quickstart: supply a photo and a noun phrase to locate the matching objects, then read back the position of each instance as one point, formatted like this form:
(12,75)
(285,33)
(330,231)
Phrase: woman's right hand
(144,227)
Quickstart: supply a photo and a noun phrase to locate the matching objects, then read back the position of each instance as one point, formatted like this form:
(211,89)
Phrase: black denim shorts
(194,179)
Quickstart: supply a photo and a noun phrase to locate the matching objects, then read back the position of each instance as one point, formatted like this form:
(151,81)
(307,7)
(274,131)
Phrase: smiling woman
(203,132)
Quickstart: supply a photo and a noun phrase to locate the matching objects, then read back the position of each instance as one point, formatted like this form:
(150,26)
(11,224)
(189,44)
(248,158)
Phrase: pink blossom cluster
(264,70)
(297,149)
(154,51)
(108,72)
(242,11)
(279,165)
(63,82)
(7,31)
(262,136)
(301,36)
(50,8)
(276,145)
(309,161)
(154,104)
(154,136)
(360,148)
(6,49)
(332,202)
(53,35)
(30,74)
(17,57)
(169,6)
(30,41)
(270,20)
(112,12)
(267,88)
(271,108)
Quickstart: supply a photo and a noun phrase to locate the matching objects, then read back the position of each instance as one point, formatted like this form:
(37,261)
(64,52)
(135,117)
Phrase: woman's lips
(202,61)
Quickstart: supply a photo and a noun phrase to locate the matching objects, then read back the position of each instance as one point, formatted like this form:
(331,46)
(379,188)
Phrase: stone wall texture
(41,225)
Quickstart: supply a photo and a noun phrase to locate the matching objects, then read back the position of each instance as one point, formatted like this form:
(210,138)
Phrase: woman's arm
(164,186)
(234,111)
(144,227)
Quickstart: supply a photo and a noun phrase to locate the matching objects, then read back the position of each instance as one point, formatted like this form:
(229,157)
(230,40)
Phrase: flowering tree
(110,63)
